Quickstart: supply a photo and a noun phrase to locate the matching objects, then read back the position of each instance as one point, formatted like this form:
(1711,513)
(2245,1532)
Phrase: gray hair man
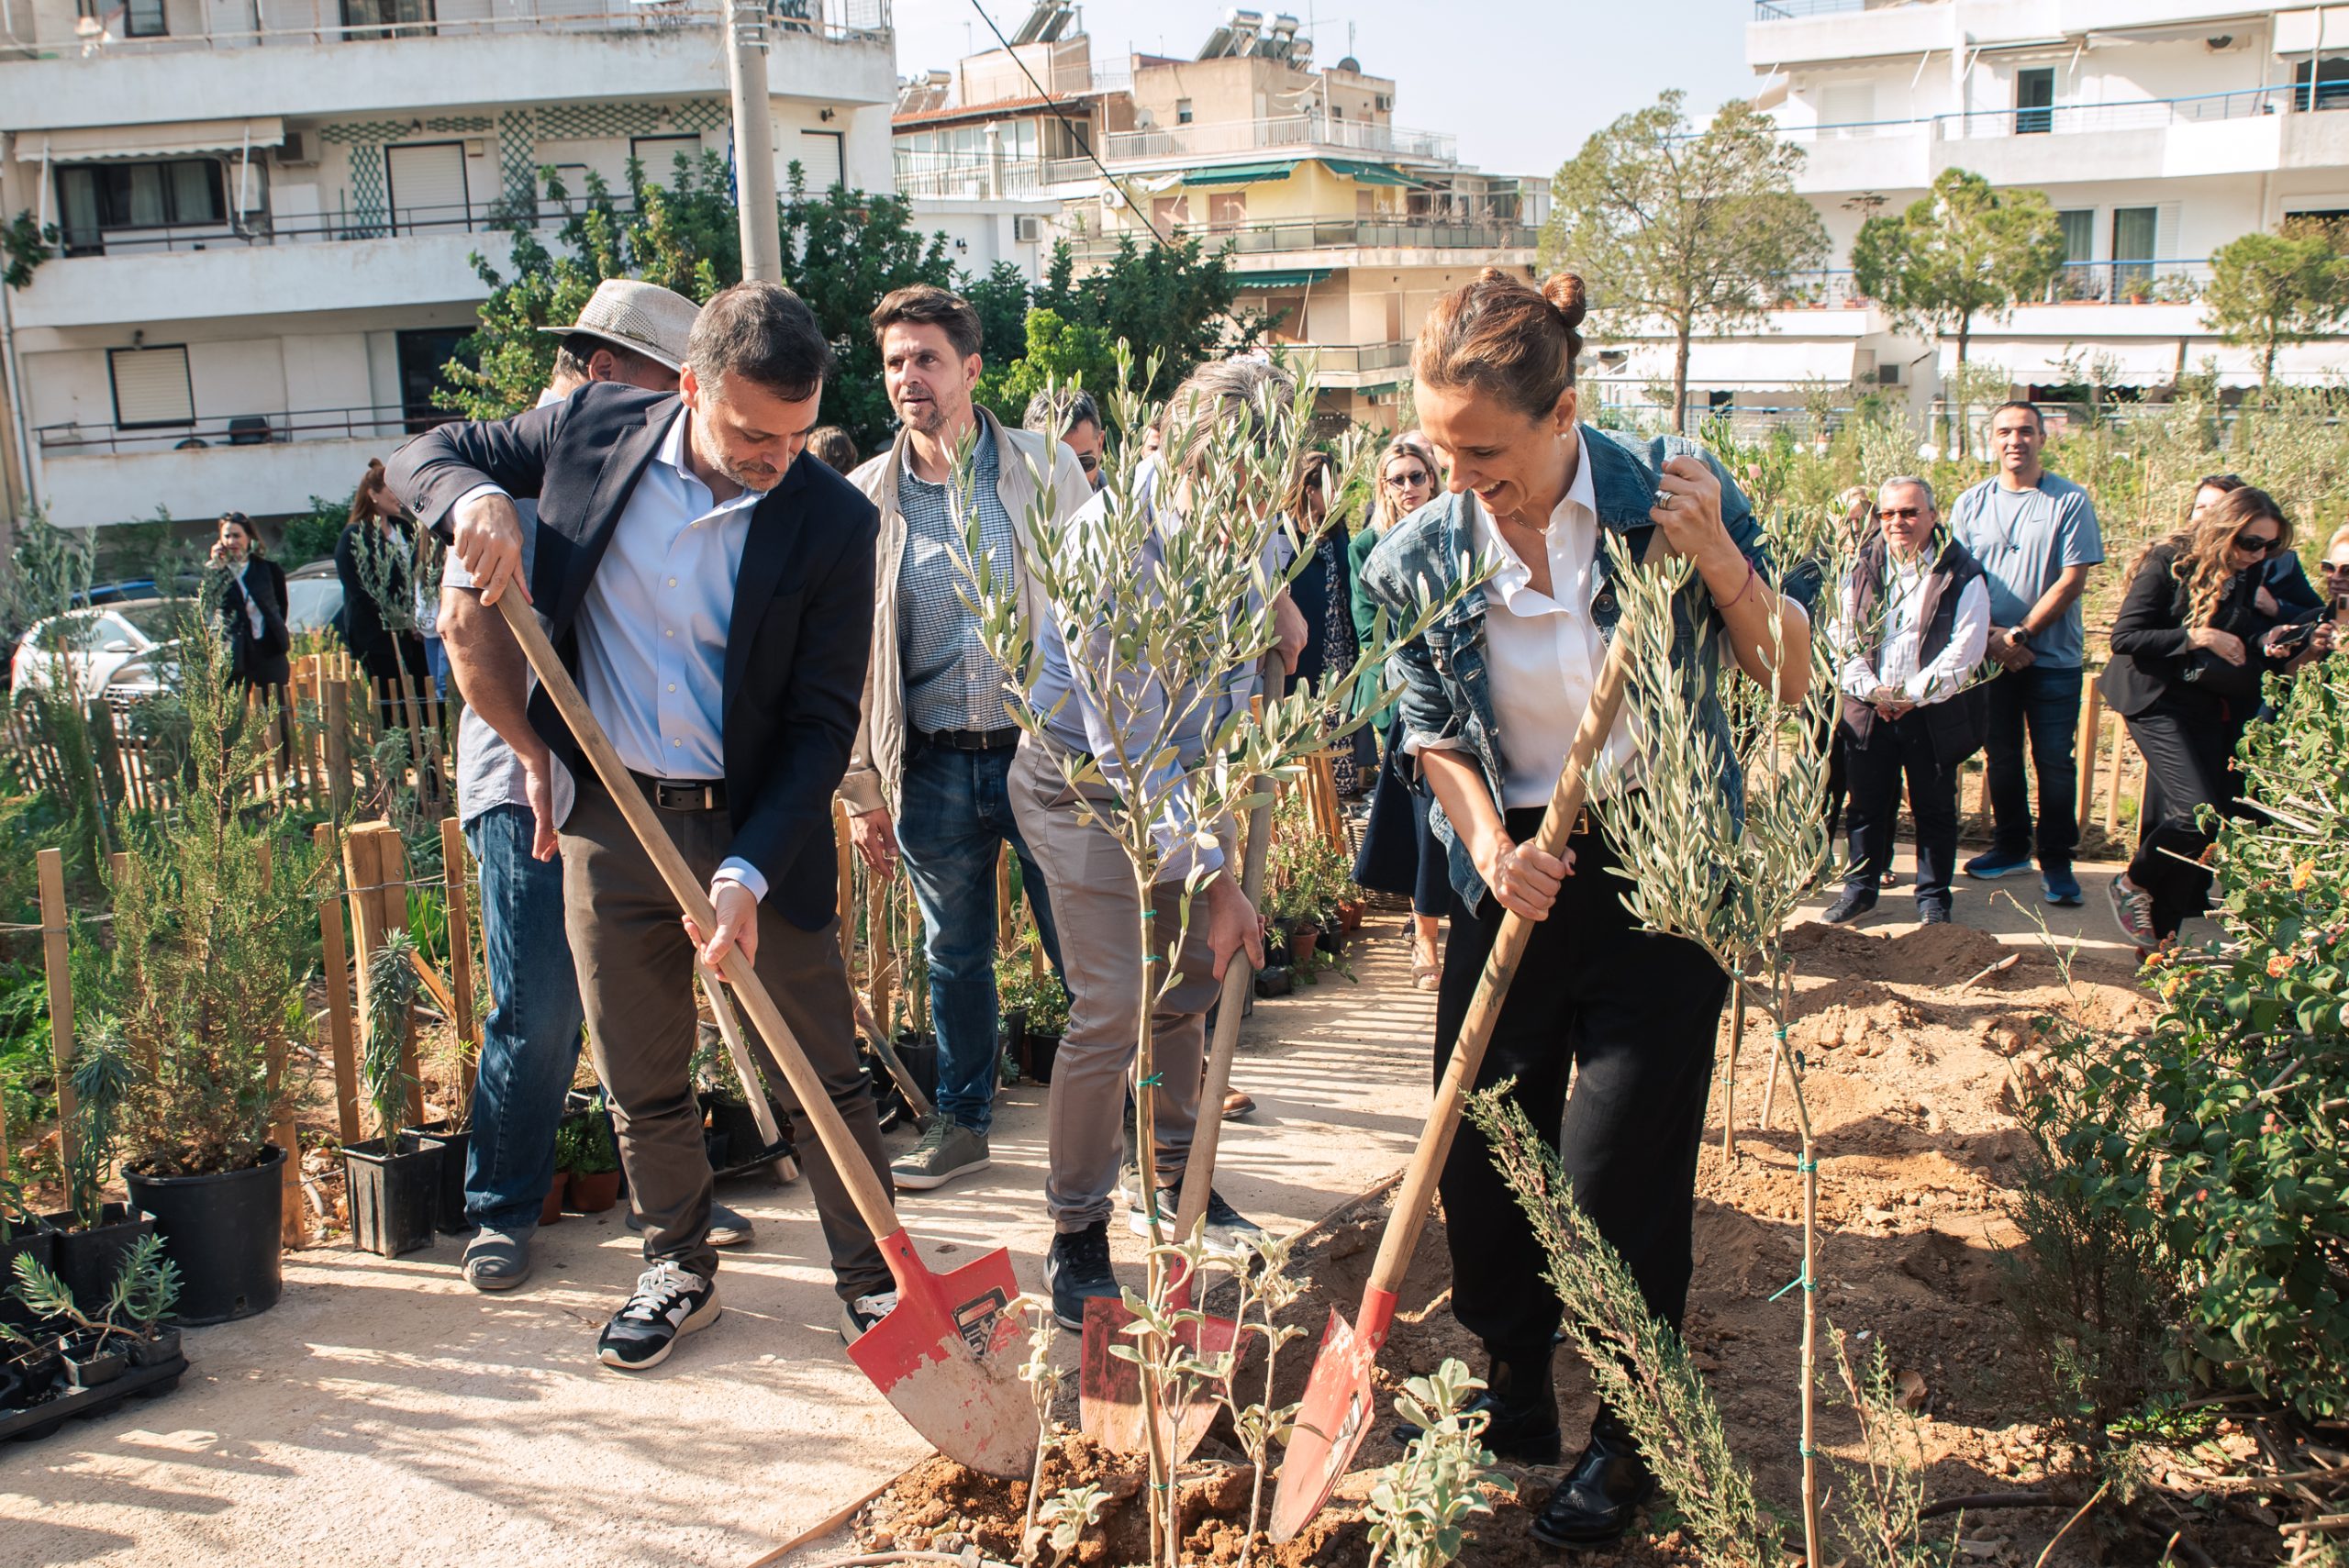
(1912,627)
(1071,414)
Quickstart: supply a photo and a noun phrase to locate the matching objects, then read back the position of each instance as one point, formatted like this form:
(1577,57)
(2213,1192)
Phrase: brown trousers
(636,977)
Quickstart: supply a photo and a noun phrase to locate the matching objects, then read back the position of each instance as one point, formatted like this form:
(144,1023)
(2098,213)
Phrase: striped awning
(1286,278)
(1368,173)
(172,139)
(1240,174)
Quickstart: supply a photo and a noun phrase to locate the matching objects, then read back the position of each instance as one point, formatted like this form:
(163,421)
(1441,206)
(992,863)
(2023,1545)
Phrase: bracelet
(1747,588)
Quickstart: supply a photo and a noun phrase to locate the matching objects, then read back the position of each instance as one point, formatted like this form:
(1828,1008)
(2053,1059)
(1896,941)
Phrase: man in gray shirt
(2036,537)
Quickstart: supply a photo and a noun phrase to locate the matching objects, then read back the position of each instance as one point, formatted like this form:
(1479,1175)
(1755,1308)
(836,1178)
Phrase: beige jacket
(877,764)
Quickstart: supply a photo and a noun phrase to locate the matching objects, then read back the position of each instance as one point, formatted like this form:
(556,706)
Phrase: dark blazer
(796,643)
(373,643)
(262,661)
(2153,653)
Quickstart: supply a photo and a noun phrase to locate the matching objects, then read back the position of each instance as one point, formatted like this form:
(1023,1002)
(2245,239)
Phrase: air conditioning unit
(1027,228)
(300,151)
(1889,374)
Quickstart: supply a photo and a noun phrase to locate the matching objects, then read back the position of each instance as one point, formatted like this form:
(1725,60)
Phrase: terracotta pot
(594,1193)
(551,1211)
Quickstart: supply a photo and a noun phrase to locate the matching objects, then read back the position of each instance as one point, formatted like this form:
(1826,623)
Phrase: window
(94,198)
(151,387)
(2077,280)
(422,355)
(1169,213)
(2331,82)
(2035,101)
(1227,209)
(823,160)
(2134,229)
(1182,111)
(144,19)
(386,18)
(428,186)
(659,154)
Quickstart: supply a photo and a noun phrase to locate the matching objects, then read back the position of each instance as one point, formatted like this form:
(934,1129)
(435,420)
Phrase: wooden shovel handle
(1411,1200)
(1199,1166)
(872,1201)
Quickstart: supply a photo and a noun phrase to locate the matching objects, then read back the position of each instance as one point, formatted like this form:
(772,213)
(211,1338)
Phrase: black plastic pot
(88,1261)
(919,1054)
(155,1349)
(449,1214)
(1037,1054)
(732,1119)
(394,1199)
(224,1231)
(1274,980)
(35,1238)
(87,1367)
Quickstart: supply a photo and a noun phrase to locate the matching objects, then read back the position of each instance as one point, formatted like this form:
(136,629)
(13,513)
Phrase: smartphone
(2291,639)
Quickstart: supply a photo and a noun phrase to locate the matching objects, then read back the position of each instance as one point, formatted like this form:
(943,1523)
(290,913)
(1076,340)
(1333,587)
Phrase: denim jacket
(1447,691)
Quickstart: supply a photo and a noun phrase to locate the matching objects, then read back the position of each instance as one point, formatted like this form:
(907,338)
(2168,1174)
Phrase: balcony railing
(2075,120)
(1787,10)
(949,174)
(1339,234)
(380,423)
(1284,131)
(256,229)
(2159,281)
(1349,358)
(279,22)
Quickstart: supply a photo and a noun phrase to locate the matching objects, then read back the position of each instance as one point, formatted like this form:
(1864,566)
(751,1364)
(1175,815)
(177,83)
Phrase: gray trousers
(636,977)
(1097,911)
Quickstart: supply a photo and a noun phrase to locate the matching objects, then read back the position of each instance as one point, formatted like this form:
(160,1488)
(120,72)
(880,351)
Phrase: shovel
(1110,1408)
(1336,1411)
(940,1357)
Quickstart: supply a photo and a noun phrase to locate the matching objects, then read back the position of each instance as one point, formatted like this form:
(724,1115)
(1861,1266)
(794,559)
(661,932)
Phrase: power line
(1069,126)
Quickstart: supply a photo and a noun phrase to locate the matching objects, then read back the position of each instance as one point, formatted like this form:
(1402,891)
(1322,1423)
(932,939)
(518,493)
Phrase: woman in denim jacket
(1492,694)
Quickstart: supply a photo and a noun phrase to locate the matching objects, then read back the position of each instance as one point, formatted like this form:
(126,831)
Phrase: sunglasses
(1405,481)
(1900,514)
(2265,544)
(2332,568)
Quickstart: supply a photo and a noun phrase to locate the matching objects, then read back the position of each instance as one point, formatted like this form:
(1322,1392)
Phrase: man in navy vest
(1912,626)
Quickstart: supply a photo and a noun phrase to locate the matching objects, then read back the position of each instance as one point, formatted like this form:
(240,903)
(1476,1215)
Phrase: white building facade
(267,214)
(2159,129)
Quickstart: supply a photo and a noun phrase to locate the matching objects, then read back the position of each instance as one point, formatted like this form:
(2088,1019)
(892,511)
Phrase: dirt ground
(1912,1084)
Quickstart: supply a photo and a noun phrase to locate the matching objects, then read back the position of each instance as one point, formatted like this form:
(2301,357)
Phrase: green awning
(1368,173)
(1240,174)
(1288,278)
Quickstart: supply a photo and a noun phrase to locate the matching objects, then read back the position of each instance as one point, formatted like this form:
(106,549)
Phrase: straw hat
(644,318)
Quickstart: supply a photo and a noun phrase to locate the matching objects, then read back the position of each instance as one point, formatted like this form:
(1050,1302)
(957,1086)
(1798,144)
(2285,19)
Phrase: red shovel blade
(946,1358)
(1335,1418)
(1110,1403)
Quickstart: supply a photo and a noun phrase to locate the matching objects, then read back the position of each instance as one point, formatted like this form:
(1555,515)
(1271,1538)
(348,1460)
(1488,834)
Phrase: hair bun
(1565,293)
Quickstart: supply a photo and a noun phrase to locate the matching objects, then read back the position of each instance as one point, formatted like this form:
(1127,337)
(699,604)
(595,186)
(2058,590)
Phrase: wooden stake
(1729,1084)
(877,959)
(458,883)
(50,865)
(1006,931)
(2084,745)
(336,743)
(376,862)
(341,1034)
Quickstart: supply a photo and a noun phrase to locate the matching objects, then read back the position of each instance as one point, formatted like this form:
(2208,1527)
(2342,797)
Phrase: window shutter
(428,185)
(2165,232)
(151,387)
(822,160)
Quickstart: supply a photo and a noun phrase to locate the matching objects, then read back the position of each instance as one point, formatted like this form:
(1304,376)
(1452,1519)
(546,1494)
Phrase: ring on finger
(1664,500)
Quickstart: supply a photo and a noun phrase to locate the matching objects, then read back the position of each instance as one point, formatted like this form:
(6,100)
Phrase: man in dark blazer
(712,593)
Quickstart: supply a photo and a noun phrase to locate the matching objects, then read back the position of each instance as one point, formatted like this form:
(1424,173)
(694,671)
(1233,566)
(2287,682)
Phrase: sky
(1573,65)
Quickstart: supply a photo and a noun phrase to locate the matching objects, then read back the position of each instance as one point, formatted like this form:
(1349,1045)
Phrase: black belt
(1002,740)
(681,794)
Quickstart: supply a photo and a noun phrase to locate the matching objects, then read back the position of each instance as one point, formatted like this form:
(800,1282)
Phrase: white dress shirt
(1543,653)
(1902,604)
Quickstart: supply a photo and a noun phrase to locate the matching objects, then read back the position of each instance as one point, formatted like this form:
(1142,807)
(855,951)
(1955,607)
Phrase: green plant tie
(1155,1081)
(1805,1166)
(1802,1280)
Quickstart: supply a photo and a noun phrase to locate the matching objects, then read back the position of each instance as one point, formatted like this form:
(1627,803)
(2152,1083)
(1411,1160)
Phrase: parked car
(93,644)
(315,596)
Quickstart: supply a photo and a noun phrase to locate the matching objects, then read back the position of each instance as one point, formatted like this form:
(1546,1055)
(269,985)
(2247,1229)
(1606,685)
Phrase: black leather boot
(1522,1410)
(1600,1497)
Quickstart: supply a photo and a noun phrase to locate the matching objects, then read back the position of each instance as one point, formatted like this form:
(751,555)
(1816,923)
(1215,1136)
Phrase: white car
(92,644)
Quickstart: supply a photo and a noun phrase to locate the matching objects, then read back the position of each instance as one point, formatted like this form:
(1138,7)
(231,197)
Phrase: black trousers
(1894,749)
(1629,1017)
(2187,751)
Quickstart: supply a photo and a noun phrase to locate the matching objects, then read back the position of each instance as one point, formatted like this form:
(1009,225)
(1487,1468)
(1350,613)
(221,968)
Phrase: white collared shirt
(1542,652)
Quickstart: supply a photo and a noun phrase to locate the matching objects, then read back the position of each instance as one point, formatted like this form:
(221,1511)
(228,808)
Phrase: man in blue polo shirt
(2036,537)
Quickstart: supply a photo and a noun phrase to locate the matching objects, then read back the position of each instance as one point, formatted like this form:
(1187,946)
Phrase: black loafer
(1854,903)
(1528,1436)
(1599,1499)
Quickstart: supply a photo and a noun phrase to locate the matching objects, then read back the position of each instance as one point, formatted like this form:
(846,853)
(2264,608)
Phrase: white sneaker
(858,1316)
(2132,910)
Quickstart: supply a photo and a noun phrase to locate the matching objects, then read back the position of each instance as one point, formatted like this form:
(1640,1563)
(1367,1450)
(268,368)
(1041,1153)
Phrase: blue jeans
(953,818)
(2045,703)
(530,1041)
(435,664)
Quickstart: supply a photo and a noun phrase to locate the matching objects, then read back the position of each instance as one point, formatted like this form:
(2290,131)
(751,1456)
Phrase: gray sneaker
(498,1260)
(947,1150)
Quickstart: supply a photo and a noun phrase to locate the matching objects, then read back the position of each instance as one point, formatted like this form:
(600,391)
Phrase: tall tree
(842,249)
(1963,250)
(1696,230)
(2268,290)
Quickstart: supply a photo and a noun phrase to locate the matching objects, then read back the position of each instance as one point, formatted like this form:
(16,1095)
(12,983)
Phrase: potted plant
(22,1233)
(595,1164)
(394,1178)
(92,1234)
(551,1207)
(455,1061)
(1046,1023)
(203,986)
(83,1346)
(149,1289)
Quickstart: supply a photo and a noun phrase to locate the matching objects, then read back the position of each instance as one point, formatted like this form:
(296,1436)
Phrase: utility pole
(746,79)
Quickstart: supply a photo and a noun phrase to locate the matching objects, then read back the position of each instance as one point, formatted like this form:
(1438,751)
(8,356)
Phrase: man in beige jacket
(926,780)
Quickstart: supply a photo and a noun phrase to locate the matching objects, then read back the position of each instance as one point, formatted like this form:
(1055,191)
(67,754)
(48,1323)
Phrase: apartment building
(266,214)
(1343,226)
(2159,129)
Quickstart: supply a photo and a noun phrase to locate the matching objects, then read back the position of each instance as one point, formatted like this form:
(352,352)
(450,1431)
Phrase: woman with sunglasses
(2189,648)
(2285,591)
(1400,853)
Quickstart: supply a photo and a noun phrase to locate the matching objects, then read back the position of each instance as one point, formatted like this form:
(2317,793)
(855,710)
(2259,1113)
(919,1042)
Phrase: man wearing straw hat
(632,334)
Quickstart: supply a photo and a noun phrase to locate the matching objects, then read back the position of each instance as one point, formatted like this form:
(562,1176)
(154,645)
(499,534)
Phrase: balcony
(337,58)
(1353,366)
(266,464)
(1302,132)
(1277,239)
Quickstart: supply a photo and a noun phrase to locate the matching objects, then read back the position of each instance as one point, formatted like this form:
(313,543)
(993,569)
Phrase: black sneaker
(1077,1269)
(1855,901)
(727,1228)
(858,1316)
(1223,1228)
(670,1300)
